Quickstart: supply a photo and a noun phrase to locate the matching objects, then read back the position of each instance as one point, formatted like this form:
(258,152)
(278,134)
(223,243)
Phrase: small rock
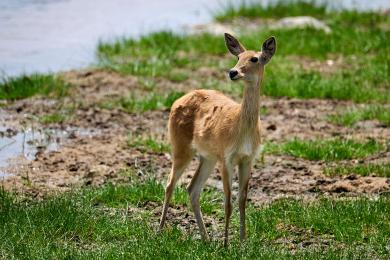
(321,182)
(211,28)
(351,177)
(73,167)
(301,22)
(329,62)
(342,187)
(314,189)
(271,127)
(72,135)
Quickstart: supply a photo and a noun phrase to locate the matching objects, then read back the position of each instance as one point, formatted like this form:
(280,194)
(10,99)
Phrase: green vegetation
(283,8)
(52,118)
(27,86)
(157,54)
(147,144)
(178,76)
(264,111)
(63,114)
(357,84)
(152,101)
(77,225)
(381,170)
(276,9)
(119,221)
(138,192)
(351,117)
(358,38)
(327,149)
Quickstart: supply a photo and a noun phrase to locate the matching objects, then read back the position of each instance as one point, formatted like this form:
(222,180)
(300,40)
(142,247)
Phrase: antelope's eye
(254,59)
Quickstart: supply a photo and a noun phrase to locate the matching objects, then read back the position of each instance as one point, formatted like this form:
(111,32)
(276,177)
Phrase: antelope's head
(250,65)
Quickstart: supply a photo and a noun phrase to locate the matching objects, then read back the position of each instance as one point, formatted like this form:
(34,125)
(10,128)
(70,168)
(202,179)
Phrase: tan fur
(219,130)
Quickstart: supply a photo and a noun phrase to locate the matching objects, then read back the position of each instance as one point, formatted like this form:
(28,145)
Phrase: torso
(216,125)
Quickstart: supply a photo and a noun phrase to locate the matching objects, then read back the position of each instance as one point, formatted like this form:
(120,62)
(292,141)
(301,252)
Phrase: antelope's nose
(233,73)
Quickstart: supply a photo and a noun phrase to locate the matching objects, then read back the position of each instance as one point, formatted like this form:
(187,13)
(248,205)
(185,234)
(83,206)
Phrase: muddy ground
(99,156)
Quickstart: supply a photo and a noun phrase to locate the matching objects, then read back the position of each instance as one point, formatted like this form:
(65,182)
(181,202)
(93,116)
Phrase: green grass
(138,192)
(52,118)
(352,116)
(74,225)
(327,149)
(276,9)
(147,144)
(63,113)
(152,101)
(26,86)
(360,85)
(178,76)
(380,170)
(156,54)
(358,38)
(283,8)
(135,193)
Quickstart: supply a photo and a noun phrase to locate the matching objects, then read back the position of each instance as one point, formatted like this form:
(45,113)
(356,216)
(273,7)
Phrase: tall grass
(76,226)
(28,85)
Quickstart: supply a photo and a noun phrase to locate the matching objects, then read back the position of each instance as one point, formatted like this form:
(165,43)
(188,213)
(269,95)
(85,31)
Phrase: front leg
(244,170)
(227,175)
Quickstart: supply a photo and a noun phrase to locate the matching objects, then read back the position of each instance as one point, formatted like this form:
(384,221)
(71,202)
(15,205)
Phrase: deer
(219,130)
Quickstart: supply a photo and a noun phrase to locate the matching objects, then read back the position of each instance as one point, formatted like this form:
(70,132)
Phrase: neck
(249,114)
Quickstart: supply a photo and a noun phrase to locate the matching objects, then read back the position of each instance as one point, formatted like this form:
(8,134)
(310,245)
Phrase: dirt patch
(94,86)
(98,159)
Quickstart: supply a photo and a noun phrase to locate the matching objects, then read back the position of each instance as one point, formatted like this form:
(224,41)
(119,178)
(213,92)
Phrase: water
(27,143)
(54,35)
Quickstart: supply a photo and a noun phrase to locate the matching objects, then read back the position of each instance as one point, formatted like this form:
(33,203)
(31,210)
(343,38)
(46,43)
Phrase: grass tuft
(329,149)
(152,101)
(351,117)
(380,170)
(138,192)
(52,118)
(145,144)
(27,86)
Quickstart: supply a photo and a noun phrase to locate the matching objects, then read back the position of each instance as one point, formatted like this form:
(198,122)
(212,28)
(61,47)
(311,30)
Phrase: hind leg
(181,159)
(206,167)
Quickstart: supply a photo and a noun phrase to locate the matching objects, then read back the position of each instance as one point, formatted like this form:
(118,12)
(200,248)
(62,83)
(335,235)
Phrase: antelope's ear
(233,45)
(268,50)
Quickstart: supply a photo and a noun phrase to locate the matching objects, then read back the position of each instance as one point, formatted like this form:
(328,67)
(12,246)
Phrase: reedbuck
(219,130)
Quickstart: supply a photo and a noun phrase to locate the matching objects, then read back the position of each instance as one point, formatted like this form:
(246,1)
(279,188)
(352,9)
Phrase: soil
(99,158)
